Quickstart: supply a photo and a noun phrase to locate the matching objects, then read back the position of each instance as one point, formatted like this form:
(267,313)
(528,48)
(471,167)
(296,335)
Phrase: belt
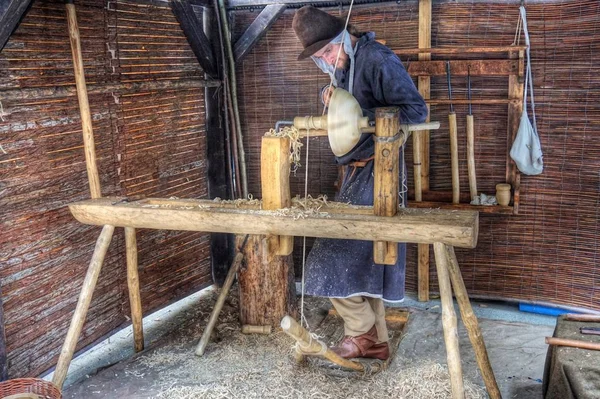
(361,163)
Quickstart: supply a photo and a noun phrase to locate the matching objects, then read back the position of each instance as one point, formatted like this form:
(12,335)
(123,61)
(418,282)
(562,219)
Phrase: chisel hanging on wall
(453,142)
(471,141)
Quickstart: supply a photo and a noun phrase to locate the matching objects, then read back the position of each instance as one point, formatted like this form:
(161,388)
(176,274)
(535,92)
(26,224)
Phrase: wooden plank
(460,68)
(192,28)
(11,13)
(457,228)
(385,186)
(275,183)
(257,29)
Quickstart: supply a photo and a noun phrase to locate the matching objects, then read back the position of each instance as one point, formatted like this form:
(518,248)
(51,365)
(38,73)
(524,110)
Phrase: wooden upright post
(449,322)
(84,105)
(275,184)
(421,147)
(83,304)
(133,284)
(385,190)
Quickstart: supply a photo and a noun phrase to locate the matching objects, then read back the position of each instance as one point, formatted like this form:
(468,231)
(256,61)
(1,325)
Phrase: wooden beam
(515,109)
(426,226)
(68,91)
(192,29)
(459,50)
(257,30)
(3,357)
(460,68)
(133,285)
(11,13)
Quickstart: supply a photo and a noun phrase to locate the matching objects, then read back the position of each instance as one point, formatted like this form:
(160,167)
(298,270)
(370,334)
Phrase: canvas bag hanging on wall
(526,150)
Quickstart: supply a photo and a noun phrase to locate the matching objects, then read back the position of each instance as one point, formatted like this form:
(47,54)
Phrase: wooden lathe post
(385,190)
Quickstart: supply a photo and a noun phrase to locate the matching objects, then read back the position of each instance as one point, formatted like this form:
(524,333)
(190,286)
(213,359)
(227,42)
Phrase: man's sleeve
(393,86)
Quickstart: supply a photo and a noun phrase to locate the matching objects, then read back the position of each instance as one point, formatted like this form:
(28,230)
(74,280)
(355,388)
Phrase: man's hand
(326,93)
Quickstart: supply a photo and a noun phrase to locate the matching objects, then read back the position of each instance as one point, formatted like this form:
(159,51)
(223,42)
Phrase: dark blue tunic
(344,268)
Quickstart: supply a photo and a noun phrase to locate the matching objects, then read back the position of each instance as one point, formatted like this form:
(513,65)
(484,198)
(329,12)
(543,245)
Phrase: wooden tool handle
(471,157)
(583,317)
(573,343)
(454,158)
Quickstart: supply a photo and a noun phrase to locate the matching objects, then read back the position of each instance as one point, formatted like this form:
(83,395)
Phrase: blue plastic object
(539,309)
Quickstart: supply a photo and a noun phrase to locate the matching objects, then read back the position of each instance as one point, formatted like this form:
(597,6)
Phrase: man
(343,270)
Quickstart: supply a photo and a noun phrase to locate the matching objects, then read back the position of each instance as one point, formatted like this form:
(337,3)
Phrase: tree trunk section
(266,284)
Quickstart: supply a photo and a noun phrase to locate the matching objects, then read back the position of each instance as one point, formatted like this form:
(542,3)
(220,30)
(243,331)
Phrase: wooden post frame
(385,190)
(83,304)
(275,184)
(449,322)
(421,147)
(133,284)
(84,105)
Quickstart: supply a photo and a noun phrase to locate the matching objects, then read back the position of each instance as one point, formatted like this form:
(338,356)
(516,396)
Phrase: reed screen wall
(547,253)
(148,143)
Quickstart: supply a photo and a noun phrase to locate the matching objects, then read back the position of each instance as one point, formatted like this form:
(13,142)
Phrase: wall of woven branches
(547,253)
(148,143)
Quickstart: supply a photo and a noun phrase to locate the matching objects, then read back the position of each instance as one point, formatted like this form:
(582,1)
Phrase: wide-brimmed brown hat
(315,29)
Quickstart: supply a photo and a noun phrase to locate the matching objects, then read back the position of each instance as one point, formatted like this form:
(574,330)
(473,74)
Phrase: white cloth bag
(526,150)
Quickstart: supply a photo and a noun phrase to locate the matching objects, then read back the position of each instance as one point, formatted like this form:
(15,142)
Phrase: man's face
(329,54)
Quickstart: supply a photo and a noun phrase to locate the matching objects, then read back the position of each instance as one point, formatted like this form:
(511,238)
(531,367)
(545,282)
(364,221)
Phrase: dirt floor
(236,365)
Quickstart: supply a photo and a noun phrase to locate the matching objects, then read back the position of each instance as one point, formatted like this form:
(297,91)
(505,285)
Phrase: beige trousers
(360,313)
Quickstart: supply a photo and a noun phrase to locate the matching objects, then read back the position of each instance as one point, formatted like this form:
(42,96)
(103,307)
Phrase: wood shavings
(240,201)
(295,144)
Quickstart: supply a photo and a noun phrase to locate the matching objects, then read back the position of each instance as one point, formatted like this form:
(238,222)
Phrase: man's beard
(346,65)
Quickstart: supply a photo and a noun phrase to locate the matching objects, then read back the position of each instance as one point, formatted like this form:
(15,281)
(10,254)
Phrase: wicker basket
(20,387)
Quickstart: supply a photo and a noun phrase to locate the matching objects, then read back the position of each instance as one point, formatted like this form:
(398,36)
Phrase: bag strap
(528,75)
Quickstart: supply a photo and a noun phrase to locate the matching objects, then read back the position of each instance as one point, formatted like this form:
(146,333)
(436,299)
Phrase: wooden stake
(250,329)
(275,183)
(470,321)
(421,147)
(583,317)
(385,190)
(133,284)
(83,304)
(233,269)
(449,322)
(84,106)
(314,347)
(454,158)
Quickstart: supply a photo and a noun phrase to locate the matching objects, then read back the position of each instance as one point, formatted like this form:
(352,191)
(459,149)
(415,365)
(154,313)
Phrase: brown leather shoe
(359,346)
(379,351)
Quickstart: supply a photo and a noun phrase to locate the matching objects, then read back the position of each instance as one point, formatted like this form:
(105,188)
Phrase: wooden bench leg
(449,322)
(470,321)
(83,304)
(133,284)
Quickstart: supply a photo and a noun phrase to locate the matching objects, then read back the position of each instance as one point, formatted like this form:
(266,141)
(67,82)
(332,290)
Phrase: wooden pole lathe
(83,304)
(449,322)
(133,284)
(275,184)
(471,324)
(385,190)
(421,147)
(84,105)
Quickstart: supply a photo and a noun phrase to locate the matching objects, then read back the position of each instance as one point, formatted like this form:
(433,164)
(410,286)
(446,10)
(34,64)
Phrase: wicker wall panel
(147,144)
(548,252)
